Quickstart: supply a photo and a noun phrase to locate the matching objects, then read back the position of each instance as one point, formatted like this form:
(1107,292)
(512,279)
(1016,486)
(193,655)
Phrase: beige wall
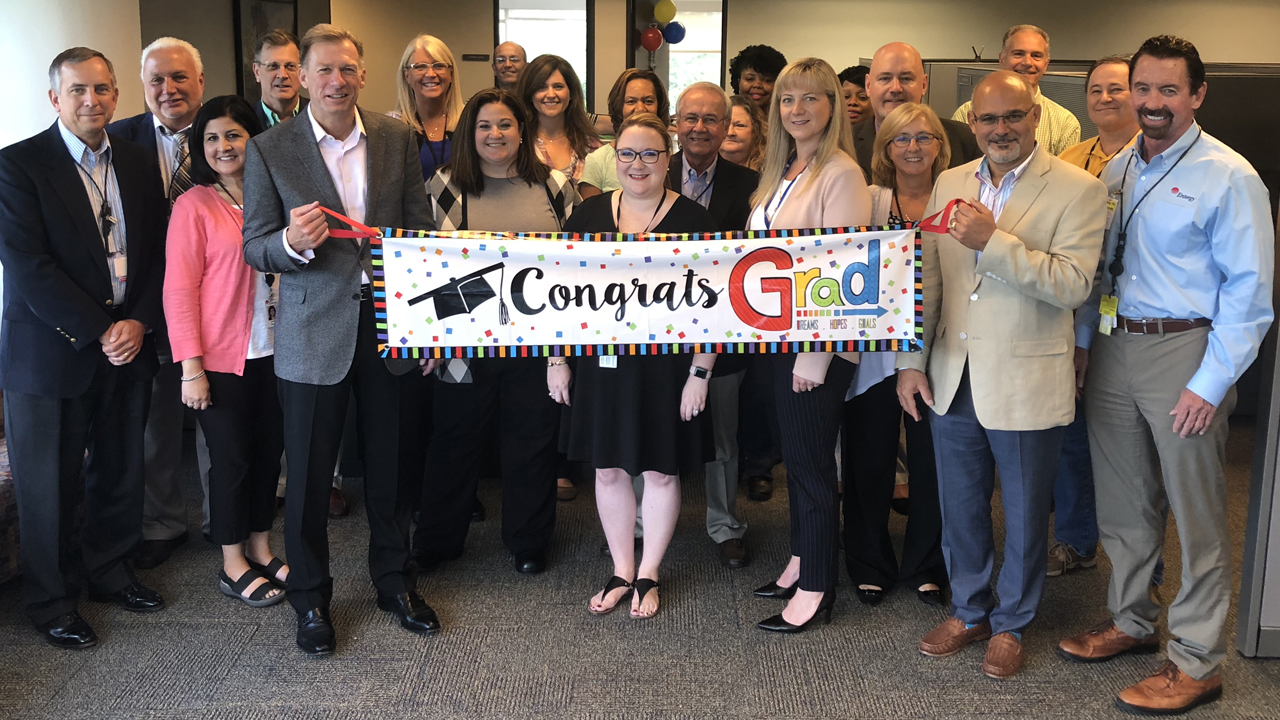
(212,33)
(387,26)
(841,31)
(37,30)
(611,48)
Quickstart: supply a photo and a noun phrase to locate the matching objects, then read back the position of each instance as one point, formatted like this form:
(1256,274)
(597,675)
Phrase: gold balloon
(665,11)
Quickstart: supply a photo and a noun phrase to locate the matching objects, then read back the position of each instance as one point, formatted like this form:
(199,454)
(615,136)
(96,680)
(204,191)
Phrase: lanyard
(106,219)
(710,182)
(902,215)
(617,220)
(1116,268)
(768,221)
(238,205)
(1089,158)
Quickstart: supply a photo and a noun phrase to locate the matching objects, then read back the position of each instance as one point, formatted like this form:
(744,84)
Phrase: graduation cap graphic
(462,295)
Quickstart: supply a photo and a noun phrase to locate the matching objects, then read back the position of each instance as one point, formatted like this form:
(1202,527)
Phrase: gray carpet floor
(516,646)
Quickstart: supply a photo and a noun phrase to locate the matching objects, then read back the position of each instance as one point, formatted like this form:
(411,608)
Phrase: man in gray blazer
(365,166)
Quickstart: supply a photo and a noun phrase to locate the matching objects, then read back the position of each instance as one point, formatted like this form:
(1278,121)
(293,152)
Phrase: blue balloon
(673,32)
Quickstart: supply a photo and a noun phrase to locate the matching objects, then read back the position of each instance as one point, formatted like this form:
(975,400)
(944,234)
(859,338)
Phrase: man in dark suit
(897,77)
(724,188)
(276,63)
(173,86)
(364,165)
(81,233)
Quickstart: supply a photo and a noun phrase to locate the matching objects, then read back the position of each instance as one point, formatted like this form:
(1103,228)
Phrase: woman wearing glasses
(552,96)
(428,99)
(639,415)
(909,153)
(809,180)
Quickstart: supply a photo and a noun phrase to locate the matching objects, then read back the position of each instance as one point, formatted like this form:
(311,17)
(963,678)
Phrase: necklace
(617,220)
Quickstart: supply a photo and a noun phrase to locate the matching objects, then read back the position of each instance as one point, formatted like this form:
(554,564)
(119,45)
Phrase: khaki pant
(1134,382)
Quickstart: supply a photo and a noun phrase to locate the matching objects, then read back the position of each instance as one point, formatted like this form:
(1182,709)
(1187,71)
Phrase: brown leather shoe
(1104,642)
(1004,656)
(1169,692)
(950,636)
(337,503)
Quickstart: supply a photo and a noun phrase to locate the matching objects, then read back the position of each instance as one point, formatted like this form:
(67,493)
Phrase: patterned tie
(181,180)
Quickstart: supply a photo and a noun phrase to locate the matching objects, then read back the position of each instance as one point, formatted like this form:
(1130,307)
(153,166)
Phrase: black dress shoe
(315,632)
(153,553)
(871,596)
(69,631)
(760,489)
(774,591)
(135,598)
(477,511)
(780,625)
(414,613)
(531,563)
(733,554)
(935,598)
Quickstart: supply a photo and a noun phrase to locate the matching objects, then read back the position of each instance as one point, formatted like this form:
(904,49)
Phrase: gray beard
(1003,157)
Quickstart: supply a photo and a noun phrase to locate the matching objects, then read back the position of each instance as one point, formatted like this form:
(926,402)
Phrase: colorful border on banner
(752,348)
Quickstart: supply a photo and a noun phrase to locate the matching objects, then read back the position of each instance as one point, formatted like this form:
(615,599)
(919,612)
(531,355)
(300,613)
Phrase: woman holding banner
(495,182)
(909,153)
(636,415)
(809,180)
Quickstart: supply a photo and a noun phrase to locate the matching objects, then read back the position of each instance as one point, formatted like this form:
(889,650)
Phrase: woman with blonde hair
(809,180)
(428,99)
(744,144)
(909,153)
(552,94)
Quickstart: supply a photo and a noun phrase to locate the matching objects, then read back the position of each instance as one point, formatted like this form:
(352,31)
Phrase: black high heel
(871,596)
(778,624)
(774,591)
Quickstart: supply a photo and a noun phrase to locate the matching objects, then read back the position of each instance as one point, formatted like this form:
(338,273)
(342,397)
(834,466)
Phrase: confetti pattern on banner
(555,294)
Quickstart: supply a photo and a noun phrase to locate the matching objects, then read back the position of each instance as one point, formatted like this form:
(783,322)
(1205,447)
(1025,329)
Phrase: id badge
(273,298)
(120,266)
(1112,203)
(1108,307)
(608,361)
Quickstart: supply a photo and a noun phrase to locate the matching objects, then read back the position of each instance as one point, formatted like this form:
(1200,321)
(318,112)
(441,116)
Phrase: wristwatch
(700,372)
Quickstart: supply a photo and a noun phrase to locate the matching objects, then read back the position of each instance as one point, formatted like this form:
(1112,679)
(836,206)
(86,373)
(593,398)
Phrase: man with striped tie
(173,84)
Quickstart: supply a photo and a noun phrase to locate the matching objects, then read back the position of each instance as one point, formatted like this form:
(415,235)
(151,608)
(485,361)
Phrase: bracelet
(700,372)
(197,376)
(560,361)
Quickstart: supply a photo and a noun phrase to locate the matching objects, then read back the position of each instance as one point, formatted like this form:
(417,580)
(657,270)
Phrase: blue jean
(1075,513)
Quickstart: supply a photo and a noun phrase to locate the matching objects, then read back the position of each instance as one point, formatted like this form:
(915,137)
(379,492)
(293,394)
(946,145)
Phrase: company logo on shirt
(1182,196)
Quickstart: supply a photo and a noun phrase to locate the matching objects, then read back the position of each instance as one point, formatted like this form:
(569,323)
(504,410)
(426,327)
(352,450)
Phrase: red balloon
(651,39)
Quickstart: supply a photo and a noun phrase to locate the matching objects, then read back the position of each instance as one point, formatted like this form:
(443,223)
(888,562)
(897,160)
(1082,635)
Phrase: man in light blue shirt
(1185,302)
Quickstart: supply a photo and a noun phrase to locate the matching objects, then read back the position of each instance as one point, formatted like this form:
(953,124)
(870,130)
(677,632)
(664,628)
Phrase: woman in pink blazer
(809,180)
(221,315)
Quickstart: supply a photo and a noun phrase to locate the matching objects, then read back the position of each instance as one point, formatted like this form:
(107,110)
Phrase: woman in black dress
(640,416)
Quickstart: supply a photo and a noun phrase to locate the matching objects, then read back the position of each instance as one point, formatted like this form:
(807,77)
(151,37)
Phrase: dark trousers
(968,457)
(871,422)
(809,423)
(313,423)
(416,393)
(244,428)
(1075,513)
(758,419)
(515,390)
(47,438)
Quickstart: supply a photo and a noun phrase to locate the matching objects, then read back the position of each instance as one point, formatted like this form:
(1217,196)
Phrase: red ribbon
(360,232)
(939,222)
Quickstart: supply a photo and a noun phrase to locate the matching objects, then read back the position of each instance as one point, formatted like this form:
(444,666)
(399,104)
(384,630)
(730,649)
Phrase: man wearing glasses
(508,62)
(897,77)
(1025,51)
(1003,271)
(275,66)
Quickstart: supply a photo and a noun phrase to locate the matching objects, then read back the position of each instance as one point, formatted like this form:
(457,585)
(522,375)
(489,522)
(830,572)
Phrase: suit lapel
(66,181)
(969,189)
(136,223)
(1025,192)
(721,192)
(375,164)
(674,178)
(308,154)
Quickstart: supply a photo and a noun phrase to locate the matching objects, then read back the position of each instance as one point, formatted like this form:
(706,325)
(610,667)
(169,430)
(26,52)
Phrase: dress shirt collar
(690,174)
(1172,152)
(78,148)
(163,130)
(984,171)
(322,134)
(273,118)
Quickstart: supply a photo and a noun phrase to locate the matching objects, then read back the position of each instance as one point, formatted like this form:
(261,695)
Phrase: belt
(1160,326)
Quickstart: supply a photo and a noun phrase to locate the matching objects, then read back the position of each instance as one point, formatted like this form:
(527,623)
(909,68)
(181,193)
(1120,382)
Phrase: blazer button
(973,296)
(109,301)
(964,336)
(355,296)
(73,339)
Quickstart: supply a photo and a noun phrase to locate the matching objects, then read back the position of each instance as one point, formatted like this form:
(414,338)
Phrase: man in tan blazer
(1018,256)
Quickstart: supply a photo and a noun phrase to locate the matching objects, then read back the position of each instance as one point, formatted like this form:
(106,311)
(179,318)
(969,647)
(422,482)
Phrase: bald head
(508,62)
(1004,118)
(896,77)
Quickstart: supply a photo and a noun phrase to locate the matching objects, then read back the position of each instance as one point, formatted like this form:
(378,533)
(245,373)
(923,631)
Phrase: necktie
(180,182)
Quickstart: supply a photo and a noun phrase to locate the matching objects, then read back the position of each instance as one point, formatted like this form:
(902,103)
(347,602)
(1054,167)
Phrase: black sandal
(643,586)
(270,570)
(614,583)
(258,598)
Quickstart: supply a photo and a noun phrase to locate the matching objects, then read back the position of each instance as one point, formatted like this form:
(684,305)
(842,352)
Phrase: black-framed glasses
(1013,117)
(923,140)
(437,67)
(648,157)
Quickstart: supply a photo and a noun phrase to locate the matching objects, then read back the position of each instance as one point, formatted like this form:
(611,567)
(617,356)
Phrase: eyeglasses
(1010,118)
(507,60)
(648,157)
(438,68)
(923,140)
(291,67)
(707,120)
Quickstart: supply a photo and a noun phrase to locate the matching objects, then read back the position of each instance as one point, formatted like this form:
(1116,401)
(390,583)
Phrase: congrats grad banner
(476,294)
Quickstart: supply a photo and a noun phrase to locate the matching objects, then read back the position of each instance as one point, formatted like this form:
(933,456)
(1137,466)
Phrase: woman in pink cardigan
(809,180)
(221,315)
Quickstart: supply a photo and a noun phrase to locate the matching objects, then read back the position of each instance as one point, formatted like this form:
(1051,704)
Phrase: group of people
(185,257)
